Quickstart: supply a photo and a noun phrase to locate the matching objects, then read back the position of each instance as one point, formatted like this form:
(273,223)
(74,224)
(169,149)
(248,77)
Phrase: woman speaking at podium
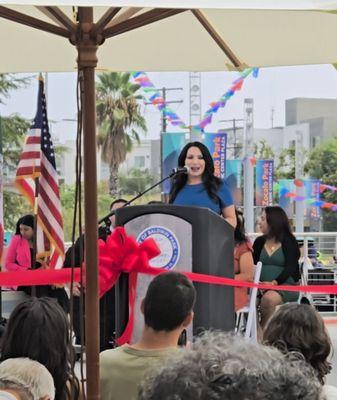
(200,187)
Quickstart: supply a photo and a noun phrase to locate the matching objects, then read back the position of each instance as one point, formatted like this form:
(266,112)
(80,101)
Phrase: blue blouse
(196,195)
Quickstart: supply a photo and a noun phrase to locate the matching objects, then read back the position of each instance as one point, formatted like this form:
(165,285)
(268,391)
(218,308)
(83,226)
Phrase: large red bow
(121,253)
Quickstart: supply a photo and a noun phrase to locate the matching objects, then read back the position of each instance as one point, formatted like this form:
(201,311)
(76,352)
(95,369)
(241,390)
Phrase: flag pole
(36,180)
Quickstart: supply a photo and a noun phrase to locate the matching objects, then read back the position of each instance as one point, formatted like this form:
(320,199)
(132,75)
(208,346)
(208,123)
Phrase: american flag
(37,163)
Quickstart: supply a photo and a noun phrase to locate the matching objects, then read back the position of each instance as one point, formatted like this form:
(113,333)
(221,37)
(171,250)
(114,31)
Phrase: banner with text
(172,144)
(234,180)
(264,182)
(217,146)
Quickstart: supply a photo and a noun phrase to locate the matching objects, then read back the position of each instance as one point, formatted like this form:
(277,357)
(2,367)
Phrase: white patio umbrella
(144,35)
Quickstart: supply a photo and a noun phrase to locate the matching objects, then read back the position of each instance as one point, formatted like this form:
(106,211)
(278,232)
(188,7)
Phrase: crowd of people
(290,361)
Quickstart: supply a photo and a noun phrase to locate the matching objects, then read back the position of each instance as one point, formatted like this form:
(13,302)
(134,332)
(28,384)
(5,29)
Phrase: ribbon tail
(127,334)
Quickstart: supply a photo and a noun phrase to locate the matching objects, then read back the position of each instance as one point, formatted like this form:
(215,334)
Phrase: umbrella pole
(87,61)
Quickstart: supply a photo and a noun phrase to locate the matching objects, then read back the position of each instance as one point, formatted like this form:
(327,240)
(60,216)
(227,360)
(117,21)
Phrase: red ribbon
(121,253)
(38,277)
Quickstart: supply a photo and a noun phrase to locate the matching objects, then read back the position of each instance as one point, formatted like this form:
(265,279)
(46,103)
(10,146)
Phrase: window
(139,162)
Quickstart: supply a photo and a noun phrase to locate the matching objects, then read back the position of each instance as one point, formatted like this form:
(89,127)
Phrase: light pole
(299,205)
(248,167)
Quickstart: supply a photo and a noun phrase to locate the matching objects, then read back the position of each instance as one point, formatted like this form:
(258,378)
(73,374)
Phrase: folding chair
(249,325)
(305,266)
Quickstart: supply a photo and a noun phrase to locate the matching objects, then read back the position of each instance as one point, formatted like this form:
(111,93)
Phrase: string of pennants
(142,79)
(283,191)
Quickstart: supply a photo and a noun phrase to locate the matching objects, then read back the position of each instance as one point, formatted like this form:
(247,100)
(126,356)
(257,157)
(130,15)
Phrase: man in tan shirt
(168,310)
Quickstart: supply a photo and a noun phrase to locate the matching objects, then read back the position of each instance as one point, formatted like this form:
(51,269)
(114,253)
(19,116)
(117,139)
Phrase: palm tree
(119,118)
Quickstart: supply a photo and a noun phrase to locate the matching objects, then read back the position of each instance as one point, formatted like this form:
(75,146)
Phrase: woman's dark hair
(299,327)
(27,220)
(278,223)
(239,232)
(210,181)
(38,329)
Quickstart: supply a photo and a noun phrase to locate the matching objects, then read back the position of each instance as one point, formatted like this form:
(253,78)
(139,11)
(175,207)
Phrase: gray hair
(221,366)
(30,378)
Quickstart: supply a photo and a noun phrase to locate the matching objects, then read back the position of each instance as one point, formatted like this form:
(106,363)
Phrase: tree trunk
(113,179)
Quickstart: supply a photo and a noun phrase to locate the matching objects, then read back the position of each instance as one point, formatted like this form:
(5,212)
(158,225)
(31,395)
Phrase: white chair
(305,265)
(249,311)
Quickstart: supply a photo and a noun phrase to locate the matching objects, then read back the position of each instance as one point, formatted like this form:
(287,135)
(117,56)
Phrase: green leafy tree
(135,181)
(15,206)
(10,82)
(263,151)
(322,164)
(119,120)
(286,164)
(13,129)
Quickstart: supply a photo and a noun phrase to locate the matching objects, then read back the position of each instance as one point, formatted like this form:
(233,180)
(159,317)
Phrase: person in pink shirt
(20,251)
(243,261)
(20,256)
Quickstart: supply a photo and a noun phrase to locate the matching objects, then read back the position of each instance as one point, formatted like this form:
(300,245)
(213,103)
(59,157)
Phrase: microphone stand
(140,194)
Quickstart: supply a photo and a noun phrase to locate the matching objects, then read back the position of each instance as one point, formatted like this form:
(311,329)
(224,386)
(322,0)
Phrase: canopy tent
(143,35)
(200,39)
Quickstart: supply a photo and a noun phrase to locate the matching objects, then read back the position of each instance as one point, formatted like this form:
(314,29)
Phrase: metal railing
(323,242)
(318,266)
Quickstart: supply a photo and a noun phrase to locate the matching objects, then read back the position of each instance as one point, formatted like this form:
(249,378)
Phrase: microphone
(180,170)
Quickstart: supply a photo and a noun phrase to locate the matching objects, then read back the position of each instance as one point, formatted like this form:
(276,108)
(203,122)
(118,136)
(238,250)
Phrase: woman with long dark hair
(299,327)
(200,187)
(243,260)
(20,257)
(38,329)
(279,253)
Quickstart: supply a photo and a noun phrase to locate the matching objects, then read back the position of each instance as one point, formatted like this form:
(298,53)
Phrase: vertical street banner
(234,180)
(287,203)
(264,182)
(172,144)
(217,146)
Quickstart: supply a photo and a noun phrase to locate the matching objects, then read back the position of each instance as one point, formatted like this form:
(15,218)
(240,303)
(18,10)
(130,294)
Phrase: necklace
(271,247)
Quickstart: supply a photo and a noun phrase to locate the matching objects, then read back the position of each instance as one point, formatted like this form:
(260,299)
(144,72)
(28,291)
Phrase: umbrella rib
(141,20)
(128,13)
(24,19)
(217,38)
(58,16)
(106,18)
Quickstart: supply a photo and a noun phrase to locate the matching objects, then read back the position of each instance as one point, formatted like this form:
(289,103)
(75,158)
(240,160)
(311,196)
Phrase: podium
(191,239)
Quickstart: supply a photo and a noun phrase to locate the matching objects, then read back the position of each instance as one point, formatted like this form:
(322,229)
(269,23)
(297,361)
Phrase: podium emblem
(167,243)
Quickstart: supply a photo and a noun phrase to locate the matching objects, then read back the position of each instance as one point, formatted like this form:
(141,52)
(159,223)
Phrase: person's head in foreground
(168,303)
(299,327)
(38,329)
(220,366)
(25,379)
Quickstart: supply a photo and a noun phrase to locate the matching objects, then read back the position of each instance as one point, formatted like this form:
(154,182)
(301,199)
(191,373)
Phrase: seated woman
(299,327)
(278,251)
(243,260)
